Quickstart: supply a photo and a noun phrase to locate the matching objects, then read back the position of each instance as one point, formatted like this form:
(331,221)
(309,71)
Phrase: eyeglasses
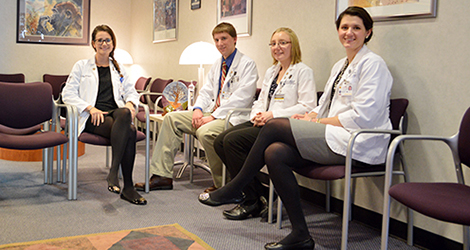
(101,41)
(281,43)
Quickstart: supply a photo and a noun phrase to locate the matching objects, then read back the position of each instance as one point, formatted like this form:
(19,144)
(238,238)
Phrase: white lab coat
(364,106)
(238,89)
(82,86)
(295,93)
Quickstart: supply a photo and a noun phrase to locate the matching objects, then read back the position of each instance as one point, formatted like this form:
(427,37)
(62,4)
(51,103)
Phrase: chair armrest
(451,142)
(147,119)
(147,94)
(71,115)
(352,140)
(231,113)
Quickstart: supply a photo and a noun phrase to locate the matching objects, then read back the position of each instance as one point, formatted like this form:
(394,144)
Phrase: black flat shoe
(308,244)
(243,211)
(138,201)
(114,189)
(205,198)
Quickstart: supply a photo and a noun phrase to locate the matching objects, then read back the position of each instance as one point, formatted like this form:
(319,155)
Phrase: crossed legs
(275,147)
(118,127)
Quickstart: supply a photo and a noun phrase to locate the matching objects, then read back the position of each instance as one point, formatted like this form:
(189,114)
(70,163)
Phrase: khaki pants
(170,136)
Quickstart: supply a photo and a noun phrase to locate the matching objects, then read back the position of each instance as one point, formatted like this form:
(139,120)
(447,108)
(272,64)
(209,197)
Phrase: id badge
(279,97)
(345,89)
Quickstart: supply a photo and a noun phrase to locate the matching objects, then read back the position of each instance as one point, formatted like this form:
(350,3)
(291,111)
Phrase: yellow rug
(168,237)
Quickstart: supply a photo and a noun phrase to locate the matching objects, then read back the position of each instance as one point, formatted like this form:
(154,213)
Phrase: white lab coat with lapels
(238,89)
(295,93)
(361,101)
(81,89)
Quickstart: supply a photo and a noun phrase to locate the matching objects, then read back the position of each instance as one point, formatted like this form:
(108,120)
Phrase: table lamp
(123,56)
(199,53)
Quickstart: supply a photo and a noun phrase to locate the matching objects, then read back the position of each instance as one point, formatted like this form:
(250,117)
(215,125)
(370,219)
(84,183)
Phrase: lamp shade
(123,56)
(199,53)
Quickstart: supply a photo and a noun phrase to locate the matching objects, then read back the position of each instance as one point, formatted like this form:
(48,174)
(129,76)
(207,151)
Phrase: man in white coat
(231,83)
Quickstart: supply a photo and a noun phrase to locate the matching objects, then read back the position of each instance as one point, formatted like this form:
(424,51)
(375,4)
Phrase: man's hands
(199,119)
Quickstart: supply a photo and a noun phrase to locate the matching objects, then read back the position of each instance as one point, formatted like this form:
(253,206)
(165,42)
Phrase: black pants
(233,146)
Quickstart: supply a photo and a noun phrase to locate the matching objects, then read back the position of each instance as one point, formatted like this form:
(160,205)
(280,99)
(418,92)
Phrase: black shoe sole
(155,188)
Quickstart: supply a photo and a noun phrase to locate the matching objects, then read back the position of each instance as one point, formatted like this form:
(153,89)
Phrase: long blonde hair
(296,54)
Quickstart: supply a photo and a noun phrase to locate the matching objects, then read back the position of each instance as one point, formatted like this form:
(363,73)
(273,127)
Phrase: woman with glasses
(106,99)
(356,96)
(288,88)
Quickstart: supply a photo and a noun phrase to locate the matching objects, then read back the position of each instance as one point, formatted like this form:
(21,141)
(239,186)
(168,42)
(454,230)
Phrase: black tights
(117,127)
(277,146)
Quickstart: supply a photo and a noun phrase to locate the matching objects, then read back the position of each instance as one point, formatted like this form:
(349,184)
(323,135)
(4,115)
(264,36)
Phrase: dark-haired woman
(106,99)
(356,97)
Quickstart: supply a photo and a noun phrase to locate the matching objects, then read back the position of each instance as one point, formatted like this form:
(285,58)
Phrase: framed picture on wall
(165,20)
(236,12)
(386,10)
(53,22)
(195,4)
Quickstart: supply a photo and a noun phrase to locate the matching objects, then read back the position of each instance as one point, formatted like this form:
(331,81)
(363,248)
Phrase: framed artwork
(195,4)
(385,10)
(165,20)
(53,22)
(236,12)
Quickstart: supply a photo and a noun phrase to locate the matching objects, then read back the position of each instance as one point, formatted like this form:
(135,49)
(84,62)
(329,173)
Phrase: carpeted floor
(161,237)
(31,211)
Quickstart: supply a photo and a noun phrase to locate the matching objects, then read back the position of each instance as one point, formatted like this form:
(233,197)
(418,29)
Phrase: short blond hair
(225,27)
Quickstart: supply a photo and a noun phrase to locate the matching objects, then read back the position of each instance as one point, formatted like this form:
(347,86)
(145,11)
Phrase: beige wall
(427,58)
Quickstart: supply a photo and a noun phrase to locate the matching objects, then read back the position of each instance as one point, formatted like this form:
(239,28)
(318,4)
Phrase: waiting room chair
(445,201)
(16,78)
(97,140)
(94,139)
(348,171)
(141,86)
(13,78)
(56,82)
(142,83)
(152,100)
(27,105)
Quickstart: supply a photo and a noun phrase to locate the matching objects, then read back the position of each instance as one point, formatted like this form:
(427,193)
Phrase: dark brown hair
(107,29)
(362,14)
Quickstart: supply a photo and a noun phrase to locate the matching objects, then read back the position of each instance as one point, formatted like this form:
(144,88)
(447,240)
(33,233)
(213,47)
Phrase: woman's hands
(97,116)
(306,117)
(261,118)
(312,117)
(131,107)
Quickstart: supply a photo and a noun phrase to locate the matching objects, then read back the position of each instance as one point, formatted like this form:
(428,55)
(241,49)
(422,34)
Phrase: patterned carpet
(168,237)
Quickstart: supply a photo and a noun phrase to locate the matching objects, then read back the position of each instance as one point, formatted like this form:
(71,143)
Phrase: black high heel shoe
(205,198)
